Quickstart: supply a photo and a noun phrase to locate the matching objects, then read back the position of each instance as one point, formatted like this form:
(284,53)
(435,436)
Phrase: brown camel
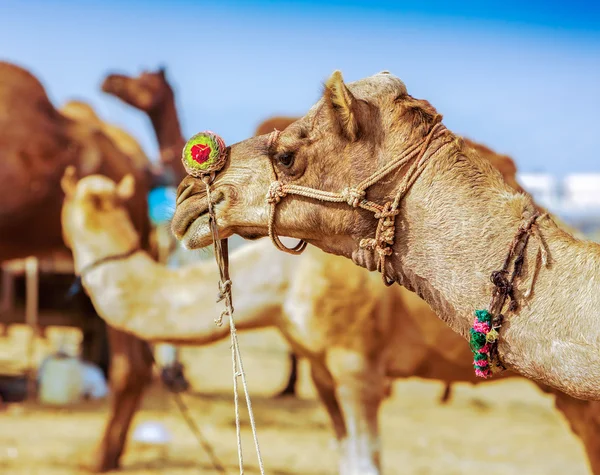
(150,92)
(353,344)
(456,217)
(37,143)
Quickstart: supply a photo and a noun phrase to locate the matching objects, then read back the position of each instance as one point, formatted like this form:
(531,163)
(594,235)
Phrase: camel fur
(503,163)
(389,333)
(454,228)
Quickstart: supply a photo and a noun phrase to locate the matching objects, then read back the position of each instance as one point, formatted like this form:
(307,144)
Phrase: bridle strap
(356,197)
(75,287)
(114,257)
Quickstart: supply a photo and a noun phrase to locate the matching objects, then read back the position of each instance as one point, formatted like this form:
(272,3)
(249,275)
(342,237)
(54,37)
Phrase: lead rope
(386,214)
(204,155)
(222,258)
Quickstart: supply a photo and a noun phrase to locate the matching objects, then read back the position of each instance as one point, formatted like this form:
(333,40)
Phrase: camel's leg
(446,394)
(326,389)
(584,419)
(361,386)
(130,373)
(290,388)
(171,368)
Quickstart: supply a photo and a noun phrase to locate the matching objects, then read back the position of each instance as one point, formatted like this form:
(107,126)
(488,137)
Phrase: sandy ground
(498,428)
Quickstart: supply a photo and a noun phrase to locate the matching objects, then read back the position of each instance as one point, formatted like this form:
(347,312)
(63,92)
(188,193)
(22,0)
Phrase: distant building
(542,186)
(582,191)
(574,198)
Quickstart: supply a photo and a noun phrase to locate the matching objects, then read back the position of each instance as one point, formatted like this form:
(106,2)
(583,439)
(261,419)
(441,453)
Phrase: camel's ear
(343,105)
(69,181)
(162,70)
(126,187)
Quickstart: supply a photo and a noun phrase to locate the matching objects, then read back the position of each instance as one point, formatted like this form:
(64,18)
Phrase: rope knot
(353,196)
(387,212)
(387,235)
(500,281)
(368,243)
(276,192)
(224,289)
(384,251)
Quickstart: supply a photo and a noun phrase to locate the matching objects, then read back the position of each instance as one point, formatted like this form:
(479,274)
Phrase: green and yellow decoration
(203,154)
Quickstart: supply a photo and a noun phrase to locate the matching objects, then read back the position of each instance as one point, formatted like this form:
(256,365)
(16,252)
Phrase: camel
(83,112)
(391,334)
(455,217)
(150,92)
(37,143)
(503,163)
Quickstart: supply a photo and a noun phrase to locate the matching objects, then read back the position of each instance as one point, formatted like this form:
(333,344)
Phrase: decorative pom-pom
(204,153)
(483,337)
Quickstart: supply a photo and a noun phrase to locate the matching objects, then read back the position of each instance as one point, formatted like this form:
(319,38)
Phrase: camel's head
(145,92)
(279,123)
(352,131)
(94,212)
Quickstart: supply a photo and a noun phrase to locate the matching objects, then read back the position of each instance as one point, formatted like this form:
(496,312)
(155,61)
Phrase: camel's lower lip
(196,222)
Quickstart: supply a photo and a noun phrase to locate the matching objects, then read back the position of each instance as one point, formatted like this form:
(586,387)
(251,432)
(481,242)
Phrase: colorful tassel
(483,337)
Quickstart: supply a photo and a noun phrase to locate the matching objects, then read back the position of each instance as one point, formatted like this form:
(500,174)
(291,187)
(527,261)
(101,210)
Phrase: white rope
(236,356)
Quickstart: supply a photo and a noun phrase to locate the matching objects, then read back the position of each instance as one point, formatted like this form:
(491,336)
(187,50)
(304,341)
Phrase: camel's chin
(198,235)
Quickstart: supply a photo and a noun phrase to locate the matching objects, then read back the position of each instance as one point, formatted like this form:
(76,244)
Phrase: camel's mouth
(190,222)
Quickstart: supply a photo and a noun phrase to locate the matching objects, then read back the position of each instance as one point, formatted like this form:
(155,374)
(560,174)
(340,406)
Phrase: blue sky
(523,79)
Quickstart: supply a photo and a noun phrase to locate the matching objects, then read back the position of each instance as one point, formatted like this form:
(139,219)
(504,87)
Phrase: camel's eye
(285,159)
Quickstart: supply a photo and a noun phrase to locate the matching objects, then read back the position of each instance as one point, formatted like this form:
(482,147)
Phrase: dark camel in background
(37,143)
(151,93)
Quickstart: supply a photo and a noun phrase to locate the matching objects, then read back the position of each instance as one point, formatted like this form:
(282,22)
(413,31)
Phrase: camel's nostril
(184,194)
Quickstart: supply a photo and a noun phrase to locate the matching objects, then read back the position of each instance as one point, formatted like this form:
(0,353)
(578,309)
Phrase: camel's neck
(455,228)
(166,126)
(159,304)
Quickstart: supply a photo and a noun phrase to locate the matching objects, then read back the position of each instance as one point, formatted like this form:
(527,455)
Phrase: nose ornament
(205,153)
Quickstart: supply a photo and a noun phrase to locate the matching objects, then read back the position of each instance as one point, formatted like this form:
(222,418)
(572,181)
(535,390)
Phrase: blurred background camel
(37,143)
(84,113)
(152,94)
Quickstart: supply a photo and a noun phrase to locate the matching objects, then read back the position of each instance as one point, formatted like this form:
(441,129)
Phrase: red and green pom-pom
(483,337)
(203,154)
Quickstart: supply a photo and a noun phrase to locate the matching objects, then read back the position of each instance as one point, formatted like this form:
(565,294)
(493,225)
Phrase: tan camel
(454,228)
(150,92)
(37,143)
(503,163)
(393,333)
(83,112)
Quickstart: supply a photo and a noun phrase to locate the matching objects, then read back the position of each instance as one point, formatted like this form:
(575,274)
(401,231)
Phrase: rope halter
(356,197)
(203,156)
